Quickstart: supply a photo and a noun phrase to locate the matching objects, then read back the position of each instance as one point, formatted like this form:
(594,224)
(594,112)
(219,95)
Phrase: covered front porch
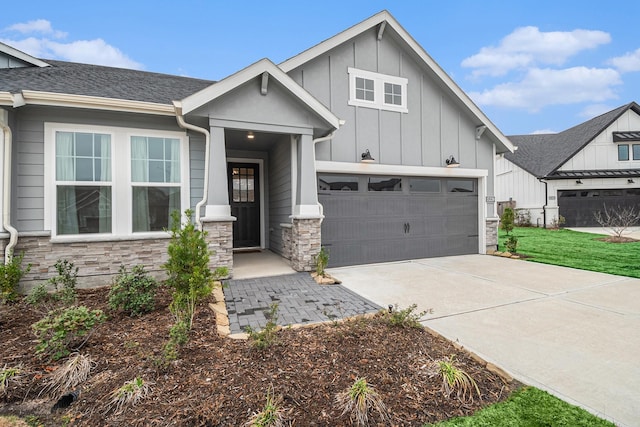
(259,173)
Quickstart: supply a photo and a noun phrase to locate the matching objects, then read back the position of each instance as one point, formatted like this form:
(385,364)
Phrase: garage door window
(385,184)
(337,183)
(424,185)
(460,186)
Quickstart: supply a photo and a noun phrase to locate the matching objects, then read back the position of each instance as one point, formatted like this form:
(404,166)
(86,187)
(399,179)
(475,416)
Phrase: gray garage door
(578,206)
(372,219)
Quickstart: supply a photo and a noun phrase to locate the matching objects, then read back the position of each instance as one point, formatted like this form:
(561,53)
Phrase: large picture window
(375,90)
(106,181)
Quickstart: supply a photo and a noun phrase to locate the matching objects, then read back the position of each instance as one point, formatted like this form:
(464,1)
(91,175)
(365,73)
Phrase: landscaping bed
(217,381)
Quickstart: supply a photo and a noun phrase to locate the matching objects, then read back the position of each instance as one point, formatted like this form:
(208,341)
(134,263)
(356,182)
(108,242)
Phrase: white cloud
(630,61)
(543,87)
(95,51)
(543,132)
(594,110)
(39,26)
(528,46)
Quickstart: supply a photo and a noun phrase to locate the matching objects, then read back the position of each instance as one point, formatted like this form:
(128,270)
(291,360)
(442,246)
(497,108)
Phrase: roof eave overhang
(30,97)
(502,142)
(230,83)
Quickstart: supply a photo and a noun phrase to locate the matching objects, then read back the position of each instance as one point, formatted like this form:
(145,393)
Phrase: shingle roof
(542,154)
(96,80)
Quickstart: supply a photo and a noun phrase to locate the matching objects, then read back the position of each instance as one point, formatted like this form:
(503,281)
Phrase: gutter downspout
(546,200)
(207,139)
(325,138)
(6,202)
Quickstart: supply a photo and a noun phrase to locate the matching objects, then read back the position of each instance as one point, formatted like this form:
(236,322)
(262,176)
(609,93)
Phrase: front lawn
(529,407)
(569,248)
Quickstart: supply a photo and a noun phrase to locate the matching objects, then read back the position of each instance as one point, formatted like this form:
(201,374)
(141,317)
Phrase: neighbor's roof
(100,81)
(542,154)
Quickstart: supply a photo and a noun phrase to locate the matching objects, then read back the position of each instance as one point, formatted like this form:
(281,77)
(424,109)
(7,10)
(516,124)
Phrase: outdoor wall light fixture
(630,181)
(578,181)
(366,157)
(250,135)
(452,162)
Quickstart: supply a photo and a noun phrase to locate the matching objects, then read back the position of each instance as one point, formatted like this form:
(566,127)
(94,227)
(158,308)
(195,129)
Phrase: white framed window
(375,90)
(103,182)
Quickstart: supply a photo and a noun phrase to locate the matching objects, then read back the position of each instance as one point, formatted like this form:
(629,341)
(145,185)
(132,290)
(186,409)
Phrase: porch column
(306,219)
(217,220)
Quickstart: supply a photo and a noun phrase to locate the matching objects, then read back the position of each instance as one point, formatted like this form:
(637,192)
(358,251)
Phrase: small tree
(506,220)
(617,219)
(187,267)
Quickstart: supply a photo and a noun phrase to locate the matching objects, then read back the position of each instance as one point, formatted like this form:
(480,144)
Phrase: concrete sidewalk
(571,332)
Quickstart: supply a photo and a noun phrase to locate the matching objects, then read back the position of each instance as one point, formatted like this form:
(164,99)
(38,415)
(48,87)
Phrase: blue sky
(531,66)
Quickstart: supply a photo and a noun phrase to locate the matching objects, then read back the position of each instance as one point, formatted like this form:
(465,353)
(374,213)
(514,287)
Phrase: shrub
(62,330)
(10,275)
(558,222)
(322,260)
(511,244)
(187,267)
(66,280)
(360,399)
(130,393)
(73,373)
(133,292)
(272,415)
(523,218)
(506,220)
(405,318)
(455,380)
(267,336)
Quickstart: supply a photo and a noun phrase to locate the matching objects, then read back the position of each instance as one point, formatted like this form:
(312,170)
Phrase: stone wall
(220,238)
(97,262)
(286,241)
(492,234)
(305,243)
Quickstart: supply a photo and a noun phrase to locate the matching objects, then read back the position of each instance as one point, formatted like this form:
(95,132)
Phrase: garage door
(371,219)
(578,207)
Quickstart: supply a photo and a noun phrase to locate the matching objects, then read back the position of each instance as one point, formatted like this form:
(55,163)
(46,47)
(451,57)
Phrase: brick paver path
(300,300)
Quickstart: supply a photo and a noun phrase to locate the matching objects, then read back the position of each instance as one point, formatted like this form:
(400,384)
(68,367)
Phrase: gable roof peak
(21,56)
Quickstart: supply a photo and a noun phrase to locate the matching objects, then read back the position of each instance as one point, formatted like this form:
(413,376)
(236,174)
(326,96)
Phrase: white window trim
(121,184)
(378,90)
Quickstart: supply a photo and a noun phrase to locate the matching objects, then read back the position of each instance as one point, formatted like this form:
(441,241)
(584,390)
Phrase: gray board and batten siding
(371,219)
(28,175)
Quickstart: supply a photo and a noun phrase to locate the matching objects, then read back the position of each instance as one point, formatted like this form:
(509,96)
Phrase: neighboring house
(574,173)
(270,157)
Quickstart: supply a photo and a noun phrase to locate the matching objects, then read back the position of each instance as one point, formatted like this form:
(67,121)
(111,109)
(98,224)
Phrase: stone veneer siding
(97,262)
(286,241)
(305,243)
(492,233)
(220,238)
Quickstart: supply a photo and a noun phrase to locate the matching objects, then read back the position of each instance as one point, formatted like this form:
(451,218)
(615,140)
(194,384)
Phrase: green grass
(529,407)
(578,250)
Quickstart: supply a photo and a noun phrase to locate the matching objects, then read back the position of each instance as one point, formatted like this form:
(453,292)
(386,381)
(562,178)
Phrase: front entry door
(244,196)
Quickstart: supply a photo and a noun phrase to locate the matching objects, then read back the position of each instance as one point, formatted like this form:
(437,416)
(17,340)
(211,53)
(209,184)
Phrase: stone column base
(220,240)
(491,236)
(305,243)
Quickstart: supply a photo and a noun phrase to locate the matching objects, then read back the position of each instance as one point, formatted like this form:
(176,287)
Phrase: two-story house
(574,173)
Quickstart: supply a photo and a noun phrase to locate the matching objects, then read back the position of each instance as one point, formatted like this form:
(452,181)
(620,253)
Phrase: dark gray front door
(244,197)
(379,219)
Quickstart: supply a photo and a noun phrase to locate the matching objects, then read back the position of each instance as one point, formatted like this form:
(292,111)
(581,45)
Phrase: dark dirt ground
(221,382)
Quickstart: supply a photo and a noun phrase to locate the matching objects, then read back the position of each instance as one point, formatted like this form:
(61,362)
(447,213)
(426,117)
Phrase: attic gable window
(379,91)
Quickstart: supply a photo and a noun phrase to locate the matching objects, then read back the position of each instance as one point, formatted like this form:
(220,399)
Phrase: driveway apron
(573,333)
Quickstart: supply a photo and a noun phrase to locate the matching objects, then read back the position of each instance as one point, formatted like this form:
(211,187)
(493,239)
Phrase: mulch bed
(221,382)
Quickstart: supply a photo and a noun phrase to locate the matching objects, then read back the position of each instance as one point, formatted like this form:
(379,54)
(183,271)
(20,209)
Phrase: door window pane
(385,184)
(337,183)
(243,184)
(424,185)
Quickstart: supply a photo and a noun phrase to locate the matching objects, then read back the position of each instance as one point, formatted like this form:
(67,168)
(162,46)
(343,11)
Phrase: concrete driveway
(571,332)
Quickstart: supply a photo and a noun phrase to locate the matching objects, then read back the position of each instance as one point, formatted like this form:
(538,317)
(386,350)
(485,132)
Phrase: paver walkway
(300,300)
